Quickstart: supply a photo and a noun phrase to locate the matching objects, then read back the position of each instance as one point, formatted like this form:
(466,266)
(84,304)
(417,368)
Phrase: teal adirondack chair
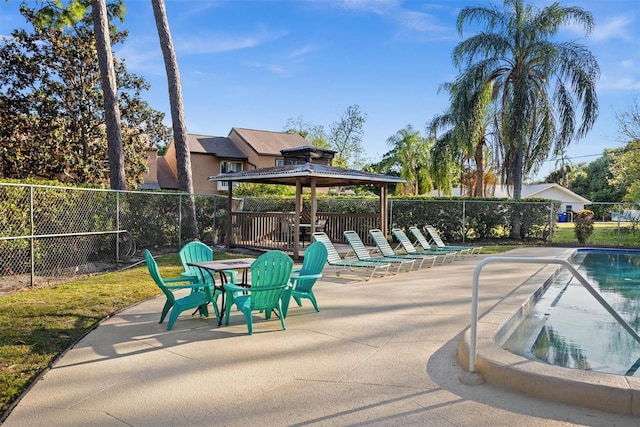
(302,280)
(199,297)
(270,274)
(196,252)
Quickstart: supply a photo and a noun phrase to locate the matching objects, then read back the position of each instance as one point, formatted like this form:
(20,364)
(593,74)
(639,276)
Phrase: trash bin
(562,217)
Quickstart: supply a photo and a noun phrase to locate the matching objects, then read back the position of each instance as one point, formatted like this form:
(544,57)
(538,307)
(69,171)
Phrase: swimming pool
(567,327)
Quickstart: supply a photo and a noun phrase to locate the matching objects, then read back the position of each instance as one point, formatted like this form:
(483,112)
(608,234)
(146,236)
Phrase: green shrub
(583,225)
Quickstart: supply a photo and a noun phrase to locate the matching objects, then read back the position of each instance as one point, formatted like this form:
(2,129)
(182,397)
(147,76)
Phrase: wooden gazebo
(311,175)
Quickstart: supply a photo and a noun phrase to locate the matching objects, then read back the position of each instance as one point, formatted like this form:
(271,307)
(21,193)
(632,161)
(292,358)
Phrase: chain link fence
(48,232)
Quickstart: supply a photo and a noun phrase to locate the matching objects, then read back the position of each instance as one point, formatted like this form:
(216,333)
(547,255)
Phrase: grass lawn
(37,325)
(496,249)
(604,234)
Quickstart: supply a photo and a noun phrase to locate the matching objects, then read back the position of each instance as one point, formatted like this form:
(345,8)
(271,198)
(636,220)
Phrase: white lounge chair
(338,264)
(435,237)
(410,249)
(362,253)
(387,251)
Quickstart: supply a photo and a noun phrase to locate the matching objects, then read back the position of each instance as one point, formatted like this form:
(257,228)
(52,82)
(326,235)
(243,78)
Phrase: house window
(279,162)
(226,167)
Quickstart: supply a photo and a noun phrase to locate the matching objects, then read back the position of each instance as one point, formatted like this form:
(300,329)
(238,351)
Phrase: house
(243,149)
(570,201)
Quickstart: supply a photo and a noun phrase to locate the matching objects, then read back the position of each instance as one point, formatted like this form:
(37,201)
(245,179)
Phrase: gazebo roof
(324,176)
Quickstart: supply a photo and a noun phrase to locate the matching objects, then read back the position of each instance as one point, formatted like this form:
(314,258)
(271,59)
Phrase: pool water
(568,327)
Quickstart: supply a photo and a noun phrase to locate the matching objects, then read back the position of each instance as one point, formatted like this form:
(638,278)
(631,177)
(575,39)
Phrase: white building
(570,201)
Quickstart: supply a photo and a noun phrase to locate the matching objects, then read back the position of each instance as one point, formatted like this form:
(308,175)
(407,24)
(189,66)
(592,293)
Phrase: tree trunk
(516,217)
(479,159)
(109,88)
(183,155)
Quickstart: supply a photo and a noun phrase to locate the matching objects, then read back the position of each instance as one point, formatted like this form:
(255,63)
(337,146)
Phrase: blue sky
(255,64)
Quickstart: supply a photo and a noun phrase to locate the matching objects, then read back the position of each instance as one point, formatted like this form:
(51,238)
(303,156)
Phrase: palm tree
(179,125)
(537,83)
(410,154)
(563,168)
(466,138)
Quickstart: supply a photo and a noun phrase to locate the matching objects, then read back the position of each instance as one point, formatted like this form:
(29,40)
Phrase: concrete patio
(379,352)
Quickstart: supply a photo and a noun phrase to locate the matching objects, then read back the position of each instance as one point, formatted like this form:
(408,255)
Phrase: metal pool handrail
(564,263)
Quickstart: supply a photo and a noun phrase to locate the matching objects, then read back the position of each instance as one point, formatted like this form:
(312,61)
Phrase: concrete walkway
(380,352)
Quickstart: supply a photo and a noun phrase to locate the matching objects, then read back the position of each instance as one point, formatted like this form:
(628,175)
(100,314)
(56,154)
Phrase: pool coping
(608,392)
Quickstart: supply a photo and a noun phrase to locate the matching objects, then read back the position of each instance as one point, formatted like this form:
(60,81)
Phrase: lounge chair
(362,253)
(421,240)
(435,237)
(408,247)
(387,251)
(338,264)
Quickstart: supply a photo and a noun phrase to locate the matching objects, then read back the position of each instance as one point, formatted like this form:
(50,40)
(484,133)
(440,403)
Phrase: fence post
(464,221)
(33,229)
(214,233)
(118,229)
(180,220)
(550,222)
(619,216)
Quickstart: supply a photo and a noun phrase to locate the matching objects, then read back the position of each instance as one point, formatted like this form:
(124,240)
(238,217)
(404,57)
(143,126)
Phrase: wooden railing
(273,230)
(262,230)
(358,222)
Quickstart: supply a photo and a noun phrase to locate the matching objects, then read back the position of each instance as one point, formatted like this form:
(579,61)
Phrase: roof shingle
(218,146)
(269,143)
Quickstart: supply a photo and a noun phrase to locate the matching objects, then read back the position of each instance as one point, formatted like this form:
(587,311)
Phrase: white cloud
(142,56)
(375,6)
(302,51)
(212,43)
(421,22)
(628,64)
(614,28)
(273,68)
(409,22)
(619,83)
(195,8)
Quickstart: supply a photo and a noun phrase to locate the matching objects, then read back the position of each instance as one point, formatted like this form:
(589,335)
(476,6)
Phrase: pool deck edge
(608,392)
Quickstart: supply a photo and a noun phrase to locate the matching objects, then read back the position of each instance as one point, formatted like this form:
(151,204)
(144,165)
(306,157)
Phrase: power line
(574,157)
(623,149)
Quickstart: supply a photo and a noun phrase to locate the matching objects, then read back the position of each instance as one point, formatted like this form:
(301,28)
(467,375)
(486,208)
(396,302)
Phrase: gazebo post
(298,209)
(314,206)
(383,208)
(229,228)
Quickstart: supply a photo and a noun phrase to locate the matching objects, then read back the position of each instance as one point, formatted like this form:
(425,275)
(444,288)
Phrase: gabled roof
(218,146)
(167,179)
(324,176)
(536,190)
(267,142)
(533,191)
